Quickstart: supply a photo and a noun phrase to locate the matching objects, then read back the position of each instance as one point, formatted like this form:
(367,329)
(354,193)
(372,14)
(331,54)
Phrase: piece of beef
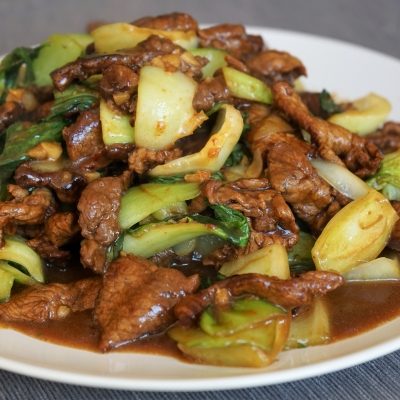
(168,22)
(137,298)
(10,112)
(66,182)
(387,139)
(394,242)
(232,38)
(84,141)
(287,293)
(93,255)
(135,58)
(312,199)
(119,151)
(48,250)
(210,91)
(274,66)
(142,160)
(334,142)
(25,209)
(119,83)
(53,301)
(61,227)
(268,212)
(99,206)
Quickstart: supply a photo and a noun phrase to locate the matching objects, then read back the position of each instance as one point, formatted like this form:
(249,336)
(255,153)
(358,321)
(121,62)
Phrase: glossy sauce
(354,308)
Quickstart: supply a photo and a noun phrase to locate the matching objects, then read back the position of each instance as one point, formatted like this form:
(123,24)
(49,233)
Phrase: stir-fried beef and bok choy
(199,194)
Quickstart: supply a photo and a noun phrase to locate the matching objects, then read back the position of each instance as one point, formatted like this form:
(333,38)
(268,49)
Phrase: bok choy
(248,334)
(164,111)
(226,133)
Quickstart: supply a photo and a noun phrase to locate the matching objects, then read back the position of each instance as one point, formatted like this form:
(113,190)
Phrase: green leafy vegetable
(10,67)
(299,255)
(20,138)
(387,178)
(328,104)
(141,201)
(236,155)
(232,225)
(218,176)
(75,99)
(248,334)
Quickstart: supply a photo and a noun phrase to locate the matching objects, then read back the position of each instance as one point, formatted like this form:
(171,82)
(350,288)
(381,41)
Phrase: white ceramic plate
(348,70)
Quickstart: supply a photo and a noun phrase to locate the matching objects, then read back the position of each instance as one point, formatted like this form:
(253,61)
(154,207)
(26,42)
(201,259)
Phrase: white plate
(346,69)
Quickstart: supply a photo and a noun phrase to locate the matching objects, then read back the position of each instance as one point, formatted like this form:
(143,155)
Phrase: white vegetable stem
(164,111)
(213,155)
(341,179)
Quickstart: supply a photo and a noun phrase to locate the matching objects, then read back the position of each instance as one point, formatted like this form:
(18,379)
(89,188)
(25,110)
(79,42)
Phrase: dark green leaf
(167,179)
(20,138)
(236,156)
(328,104)
(11,63)
(232,225)
(114,249)
(74,99)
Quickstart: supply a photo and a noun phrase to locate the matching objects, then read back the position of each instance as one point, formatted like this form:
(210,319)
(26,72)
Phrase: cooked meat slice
(61,227)
(93,255)
(10,111)
(84,141)
(394,242)
(134,58)
(142,160)
(291,174)
(25,209)
(137,298)
(53,301)
(99,207)
(287,293)
(334,142)
(168,22)
(66,182)
(275,66)
(119,151)
(209,92)
(119,83)
(48,250)
(387,139)
(232,38)
(269,214)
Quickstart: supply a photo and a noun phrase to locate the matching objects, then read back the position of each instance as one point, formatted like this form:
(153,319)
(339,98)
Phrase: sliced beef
(53,301)
(266,208)
(135,58)
(142,160)
(168,22)
(291,174)
(99,207)
(232,38)
(48,250)
(287,293)
(119,83)
(334,142)
(10,112)
(93,255)
(209,92)
(25,209)
(84,141)
(137,300)
(66,182)
(387,139)
(61,227)
(274,66)
(119,151)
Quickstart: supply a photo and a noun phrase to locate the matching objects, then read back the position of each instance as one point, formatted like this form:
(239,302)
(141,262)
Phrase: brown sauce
(354,308)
